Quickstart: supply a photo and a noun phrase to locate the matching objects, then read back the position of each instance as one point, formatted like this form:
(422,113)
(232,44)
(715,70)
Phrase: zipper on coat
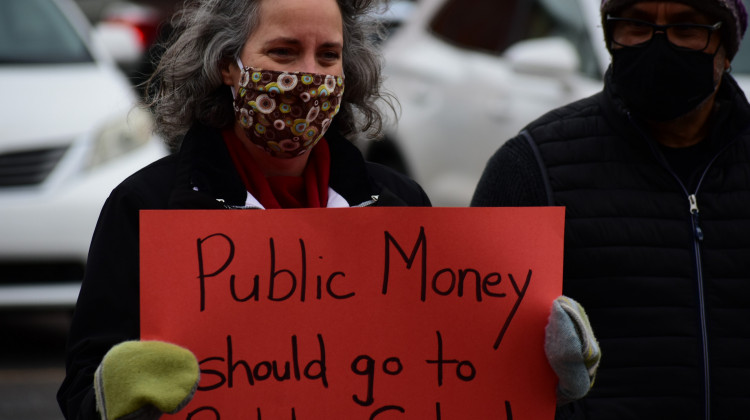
(698,236)
(695,214)
(697,240)
(368,203)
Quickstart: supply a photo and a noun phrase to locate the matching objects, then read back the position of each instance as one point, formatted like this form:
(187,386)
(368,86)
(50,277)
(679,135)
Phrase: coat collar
(206,177)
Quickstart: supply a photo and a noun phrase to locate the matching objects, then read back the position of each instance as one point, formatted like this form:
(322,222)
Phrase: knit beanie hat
(731,13)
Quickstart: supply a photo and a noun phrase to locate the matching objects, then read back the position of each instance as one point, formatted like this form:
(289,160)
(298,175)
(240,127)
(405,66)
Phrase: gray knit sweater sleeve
(512,177)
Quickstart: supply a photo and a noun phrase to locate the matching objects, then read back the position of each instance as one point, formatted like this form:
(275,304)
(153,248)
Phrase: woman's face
(297,35)
(291,36)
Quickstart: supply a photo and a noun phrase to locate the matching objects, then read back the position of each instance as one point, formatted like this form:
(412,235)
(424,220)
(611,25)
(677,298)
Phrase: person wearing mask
(654,173)
(258,96)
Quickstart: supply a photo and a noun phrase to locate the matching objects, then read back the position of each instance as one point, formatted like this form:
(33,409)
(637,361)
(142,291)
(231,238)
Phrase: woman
(249,90)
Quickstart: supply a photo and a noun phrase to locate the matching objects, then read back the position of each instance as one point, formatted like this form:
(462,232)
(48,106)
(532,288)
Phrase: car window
(476,24)
(493,26)
(36,31)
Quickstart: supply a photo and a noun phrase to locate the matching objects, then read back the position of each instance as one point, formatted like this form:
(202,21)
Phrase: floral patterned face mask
(286,113)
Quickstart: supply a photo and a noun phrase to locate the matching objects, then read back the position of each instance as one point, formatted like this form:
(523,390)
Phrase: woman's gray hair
(187,84)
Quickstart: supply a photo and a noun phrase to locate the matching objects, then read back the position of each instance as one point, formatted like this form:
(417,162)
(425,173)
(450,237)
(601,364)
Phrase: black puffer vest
(662,269)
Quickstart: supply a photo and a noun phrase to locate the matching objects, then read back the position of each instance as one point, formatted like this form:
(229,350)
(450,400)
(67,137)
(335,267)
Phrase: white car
(470,74)
(70,134)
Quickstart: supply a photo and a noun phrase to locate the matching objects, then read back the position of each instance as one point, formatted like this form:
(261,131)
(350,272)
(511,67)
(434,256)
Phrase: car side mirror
(554,56)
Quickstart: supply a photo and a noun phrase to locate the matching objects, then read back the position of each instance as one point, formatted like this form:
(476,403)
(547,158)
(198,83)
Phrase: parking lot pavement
(32,363)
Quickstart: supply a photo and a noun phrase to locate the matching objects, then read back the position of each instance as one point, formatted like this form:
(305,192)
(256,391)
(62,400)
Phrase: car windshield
(36,31)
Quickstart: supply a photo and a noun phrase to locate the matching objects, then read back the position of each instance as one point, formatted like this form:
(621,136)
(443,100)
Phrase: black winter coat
(661,265)
(200,176)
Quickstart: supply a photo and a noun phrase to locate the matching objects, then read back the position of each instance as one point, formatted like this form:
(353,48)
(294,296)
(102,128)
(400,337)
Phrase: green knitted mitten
(572,349)
(144,379)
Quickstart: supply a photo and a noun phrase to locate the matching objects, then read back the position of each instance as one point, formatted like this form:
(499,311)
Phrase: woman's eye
(330,55)
(280,52)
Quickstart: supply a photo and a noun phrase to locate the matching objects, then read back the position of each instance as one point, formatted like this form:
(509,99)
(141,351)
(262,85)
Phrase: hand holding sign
(357,313)
(145,379)
(571,349)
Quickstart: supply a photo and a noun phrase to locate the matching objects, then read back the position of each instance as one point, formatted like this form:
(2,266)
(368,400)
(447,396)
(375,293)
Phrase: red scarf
(283,192)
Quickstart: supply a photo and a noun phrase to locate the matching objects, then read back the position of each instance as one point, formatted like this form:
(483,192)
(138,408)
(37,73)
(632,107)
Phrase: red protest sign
(383,313)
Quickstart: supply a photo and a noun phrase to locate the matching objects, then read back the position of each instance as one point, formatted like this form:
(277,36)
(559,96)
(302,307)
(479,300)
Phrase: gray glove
(571,349)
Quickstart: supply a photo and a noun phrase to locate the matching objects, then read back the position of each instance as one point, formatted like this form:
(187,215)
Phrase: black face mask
(661,83)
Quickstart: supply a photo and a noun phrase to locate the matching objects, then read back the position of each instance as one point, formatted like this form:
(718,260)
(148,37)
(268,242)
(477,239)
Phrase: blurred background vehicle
(70,133)
(469,74)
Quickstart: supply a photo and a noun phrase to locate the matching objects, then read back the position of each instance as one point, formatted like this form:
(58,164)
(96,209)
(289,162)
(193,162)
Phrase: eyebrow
(687,16)
(295,41)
